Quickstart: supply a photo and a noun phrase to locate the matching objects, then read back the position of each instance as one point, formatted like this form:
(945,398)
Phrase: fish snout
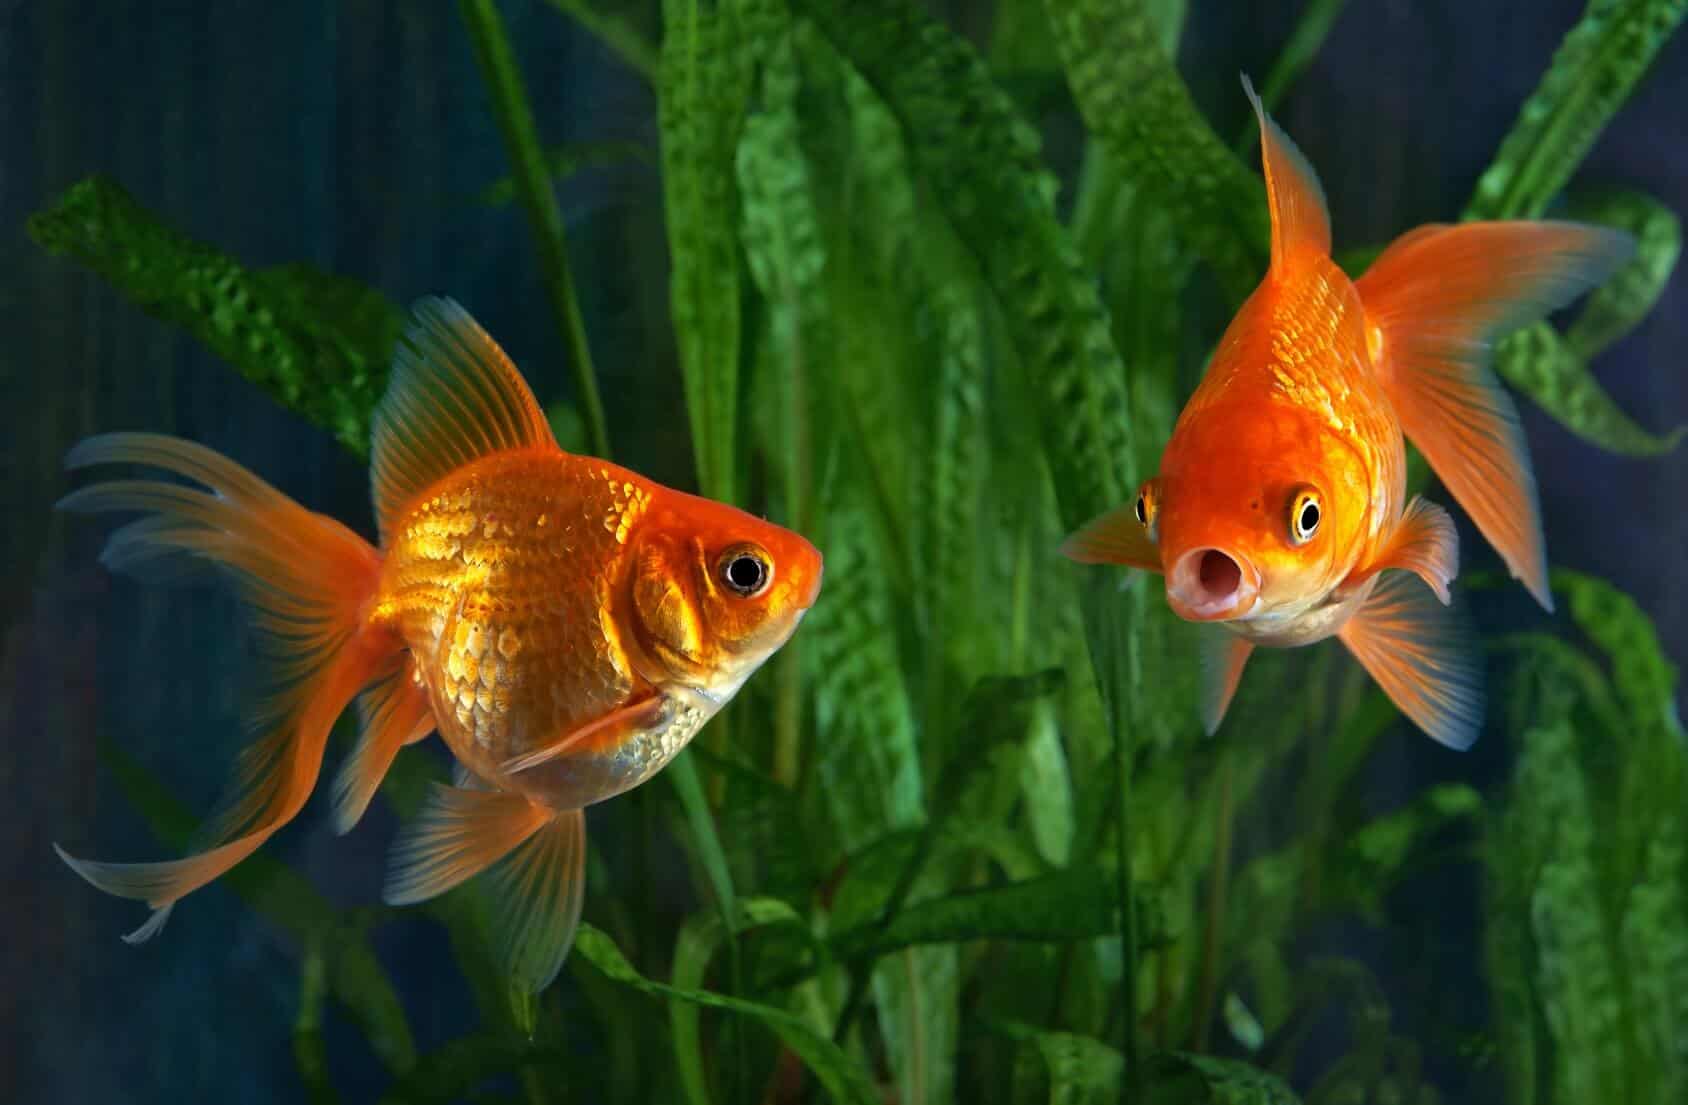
(1210,584)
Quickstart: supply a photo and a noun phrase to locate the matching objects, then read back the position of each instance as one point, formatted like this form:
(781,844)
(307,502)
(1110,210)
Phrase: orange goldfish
(1280,508)
(565,624)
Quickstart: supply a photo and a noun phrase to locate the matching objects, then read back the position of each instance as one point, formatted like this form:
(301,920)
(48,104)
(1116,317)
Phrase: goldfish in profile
(566,625)
(1280,512)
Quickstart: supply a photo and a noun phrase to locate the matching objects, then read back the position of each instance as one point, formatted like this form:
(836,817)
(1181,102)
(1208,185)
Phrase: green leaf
(703,91)
(309,1054)
(1312,27)
(285,899)
(1592,74)
(1183,1078)
(844,1080)
(1542,365)
(978,160)
(1645,677)
(317,343)
(699,937)
(1081,1070)
(1069,905)
(454,1070)
(1137,106)
(618,30)
(1614,308)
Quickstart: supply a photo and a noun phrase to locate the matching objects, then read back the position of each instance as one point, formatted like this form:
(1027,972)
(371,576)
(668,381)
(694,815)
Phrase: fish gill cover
(966,840)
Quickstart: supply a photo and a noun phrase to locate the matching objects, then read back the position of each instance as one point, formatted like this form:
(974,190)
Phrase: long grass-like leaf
(539,199)
(843,1079)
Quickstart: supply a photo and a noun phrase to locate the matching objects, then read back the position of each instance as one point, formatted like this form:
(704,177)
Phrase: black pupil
(1309,517)
(1140,515)
(744,573)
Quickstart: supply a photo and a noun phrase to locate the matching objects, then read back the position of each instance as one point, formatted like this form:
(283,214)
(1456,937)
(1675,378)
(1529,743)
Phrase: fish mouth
(1210,585)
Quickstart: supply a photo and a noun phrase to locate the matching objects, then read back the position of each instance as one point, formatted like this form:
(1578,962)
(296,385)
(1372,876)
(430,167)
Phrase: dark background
(353,135)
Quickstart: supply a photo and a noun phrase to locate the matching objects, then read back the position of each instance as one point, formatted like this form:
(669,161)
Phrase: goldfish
(1279,512)
(564,624)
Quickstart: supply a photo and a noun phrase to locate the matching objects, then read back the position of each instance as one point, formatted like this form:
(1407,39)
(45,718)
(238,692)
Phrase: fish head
(715,592)
(1256,517)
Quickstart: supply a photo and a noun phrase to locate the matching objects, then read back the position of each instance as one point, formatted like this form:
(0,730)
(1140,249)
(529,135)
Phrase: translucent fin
(306,578)
(1116,537)
(394,712)
(1222,659)
(1425,543)
(454,396)
(1439,298)
(458,834)
(1424,655)
(1300,221)
(537,892)
(643,714)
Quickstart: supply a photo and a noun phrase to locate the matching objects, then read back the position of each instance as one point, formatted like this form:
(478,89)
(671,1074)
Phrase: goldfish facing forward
(566,625)
(1280,508)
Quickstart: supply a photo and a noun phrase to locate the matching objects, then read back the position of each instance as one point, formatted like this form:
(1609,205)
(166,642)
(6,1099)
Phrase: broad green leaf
(955,120)
(1592,74)
(1614,308)
(1644,676)
(319,344)
(1183,1078)
(1081,1070)
(1543,365)
(1135,103)
(703,90)
(309,1054)
(843,1079)
(281,896)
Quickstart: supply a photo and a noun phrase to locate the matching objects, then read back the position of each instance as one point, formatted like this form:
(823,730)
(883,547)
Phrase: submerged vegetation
(965,840)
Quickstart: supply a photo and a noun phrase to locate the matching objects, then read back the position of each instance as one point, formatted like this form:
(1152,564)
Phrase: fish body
(1279,512)
(565,624)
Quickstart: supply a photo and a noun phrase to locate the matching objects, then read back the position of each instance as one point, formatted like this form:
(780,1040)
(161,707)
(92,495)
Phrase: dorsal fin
(453,397)
(1299,218)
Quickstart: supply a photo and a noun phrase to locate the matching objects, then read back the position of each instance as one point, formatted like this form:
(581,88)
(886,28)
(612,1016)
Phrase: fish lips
(1209,584)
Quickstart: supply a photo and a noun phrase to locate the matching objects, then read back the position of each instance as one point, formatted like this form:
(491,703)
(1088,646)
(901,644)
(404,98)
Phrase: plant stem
(617,32)
(533,184)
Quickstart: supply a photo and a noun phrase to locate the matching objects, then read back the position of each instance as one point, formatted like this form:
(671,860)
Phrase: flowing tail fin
(308,579)
(1437,300)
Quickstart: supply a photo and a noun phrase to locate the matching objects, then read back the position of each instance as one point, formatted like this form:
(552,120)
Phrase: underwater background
(821,259)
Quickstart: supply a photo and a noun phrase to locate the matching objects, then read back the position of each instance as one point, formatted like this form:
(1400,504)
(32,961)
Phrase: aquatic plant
(966,841)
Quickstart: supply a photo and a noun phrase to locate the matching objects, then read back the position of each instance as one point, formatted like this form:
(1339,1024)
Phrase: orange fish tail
(1437,300)
(308,580)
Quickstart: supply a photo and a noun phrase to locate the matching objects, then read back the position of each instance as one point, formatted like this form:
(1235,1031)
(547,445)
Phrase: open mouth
(1210,584)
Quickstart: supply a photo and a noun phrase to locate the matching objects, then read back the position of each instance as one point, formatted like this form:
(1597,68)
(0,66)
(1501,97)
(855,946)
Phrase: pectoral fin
(643,713)
(1222,659)
(1424,655)
(1425,543)
(1116,537)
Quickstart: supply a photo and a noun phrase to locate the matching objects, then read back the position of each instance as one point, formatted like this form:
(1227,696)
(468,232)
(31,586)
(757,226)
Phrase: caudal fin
(307,579)
(1438,299)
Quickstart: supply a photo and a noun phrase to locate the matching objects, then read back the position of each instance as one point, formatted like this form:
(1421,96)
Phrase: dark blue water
(351,135)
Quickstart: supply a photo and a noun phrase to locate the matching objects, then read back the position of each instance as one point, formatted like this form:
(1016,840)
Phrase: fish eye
(1142,515)
(1304,515)
(745,570)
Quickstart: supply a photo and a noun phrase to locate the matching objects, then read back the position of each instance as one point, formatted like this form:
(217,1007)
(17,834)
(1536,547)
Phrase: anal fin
(537,891)
(458,834)
(1424,655)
